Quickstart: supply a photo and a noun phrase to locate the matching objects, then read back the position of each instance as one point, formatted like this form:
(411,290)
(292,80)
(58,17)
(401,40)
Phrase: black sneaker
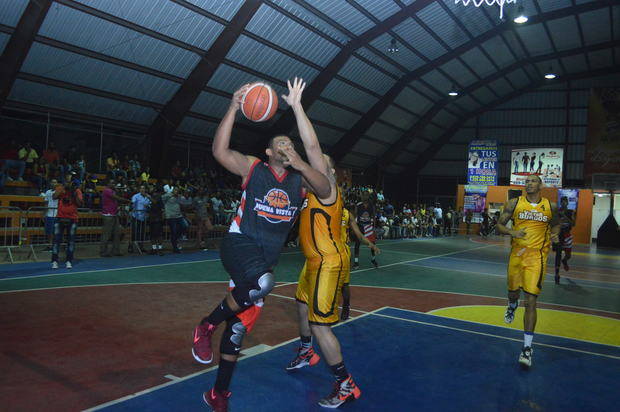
(557,279)
(375,264)
(344,314)
(509,316)
(304,358)
(525,358)
(345,391)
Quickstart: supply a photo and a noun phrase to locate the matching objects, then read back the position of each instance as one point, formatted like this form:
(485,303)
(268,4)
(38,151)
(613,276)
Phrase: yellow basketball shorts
(320,287)
(347,273)
(526,269)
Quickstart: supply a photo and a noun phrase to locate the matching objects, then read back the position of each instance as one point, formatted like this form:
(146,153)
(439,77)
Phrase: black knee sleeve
(232,339)
(248,294)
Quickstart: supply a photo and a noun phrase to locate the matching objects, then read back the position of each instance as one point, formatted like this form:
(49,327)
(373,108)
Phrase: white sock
(355,260)
(527,339)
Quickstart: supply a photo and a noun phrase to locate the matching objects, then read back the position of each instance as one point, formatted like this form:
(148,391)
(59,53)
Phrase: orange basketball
(260,102)
(277,198)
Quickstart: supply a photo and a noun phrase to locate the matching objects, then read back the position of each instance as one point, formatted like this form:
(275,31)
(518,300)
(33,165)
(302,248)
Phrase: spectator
(172,212)
(90,191)
(111,223)
(52,159)
(135,167)
(484,228)
(80,166)
(50,213)
(28,155)
(438,214)
(468,218)
(168,186)
(69,199)
(447,225)
(177,171)
(11,160)
(140,203)
(217,206)
(113,166)
(146,175)
(203,223)
(156,211)
(389,210)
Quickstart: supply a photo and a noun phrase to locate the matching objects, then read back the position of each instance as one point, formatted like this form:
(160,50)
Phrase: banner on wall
(572,195)
(603,139)
(482,163)
(475,200)
(544,162)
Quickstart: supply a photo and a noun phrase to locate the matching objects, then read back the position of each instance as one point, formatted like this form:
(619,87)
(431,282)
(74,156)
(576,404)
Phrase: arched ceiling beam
(19,44)
(423,158)
(349,140)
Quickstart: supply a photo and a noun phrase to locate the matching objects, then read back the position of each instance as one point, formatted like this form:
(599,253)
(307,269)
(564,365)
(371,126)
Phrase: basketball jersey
(320,227)
(269,206)
(534,219)
(366,219)
(344,230)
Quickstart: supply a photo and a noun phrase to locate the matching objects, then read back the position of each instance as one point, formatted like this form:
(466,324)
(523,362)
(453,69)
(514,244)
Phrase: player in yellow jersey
(535,225)
(326,264)
(349,222)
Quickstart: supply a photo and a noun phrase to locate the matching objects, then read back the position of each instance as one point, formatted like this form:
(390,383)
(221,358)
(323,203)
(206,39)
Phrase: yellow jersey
(320,227)
(534,219)
(344,231)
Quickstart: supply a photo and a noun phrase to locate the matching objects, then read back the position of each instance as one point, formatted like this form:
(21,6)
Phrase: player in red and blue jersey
(272,197)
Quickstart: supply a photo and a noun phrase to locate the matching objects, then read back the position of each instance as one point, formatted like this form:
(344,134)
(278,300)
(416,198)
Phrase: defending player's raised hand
(374,248)
(235,102)
(295,91)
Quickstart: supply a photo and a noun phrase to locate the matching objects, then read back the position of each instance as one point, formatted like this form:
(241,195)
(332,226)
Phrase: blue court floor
(404,361)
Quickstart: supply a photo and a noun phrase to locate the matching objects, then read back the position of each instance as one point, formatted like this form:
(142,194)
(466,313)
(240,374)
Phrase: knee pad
(248,295)
(232,339)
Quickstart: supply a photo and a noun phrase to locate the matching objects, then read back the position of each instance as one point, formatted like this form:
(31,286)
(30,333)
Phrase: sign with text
(547,163)
(482,163)
(475,200)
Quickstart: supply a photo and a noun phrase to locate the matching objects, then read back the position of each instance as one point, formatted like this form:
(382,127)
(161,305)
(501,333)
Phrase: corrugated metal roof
(327,136)
(332,115)
(364,52)
(4,39)
(72,68)
(73,27)
(498,51)
(413,101)
(416,84)
(535,39)
(197,127)
(518,78)
(348,95)
(458,71)
(367,76)
(438,81)
(40,94)
(398,117)
(484,95)
(550,5)
(418,145)
(444,119)
(501,86)
(224,9)
(310,18)
(479,63)
(279,29)
(406,158)
(380,9)
(420,38)
(577,134)
(576,63)
(211,105)
(344,14)
(576,152)
(369,147)
(472,18)
(394,169)
(229,79)
(10,15)
(165,17)
(437,168)
(355,160)
(255,55)
(440,22)
(535,100)
(596,26)
(563,32)
(384,133)
(601,58)
(451,151)
(405,56)
(547,65)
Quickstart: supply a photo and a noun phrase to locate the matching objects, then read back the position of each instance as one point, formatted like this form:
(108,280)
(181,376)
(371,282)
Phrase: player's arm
(555,223)
(358,233)
(232,160)
(313,180)
(306,130)
(505,217)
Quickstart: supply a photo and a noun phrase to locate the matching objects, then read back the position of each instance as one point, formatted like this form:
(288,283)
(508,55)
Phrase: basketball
(260,102)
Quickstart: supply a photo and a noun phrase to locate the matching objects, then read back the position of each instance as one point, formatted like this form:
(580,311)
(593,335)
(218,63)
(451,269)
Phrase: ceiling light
(453,91)
(521,17)
(550,75)
(393,47)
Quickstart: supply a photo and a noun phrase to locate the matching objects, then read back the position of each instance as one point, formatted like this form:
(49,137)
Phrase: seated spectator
(52,159)
(113,167)
(10,160)
(146,175)
(28,154)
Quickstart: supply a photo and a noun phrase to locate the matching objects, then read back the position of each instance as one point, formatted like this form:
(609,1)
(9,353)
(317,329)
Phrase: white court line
(171,377)
(492,335)
(184,378)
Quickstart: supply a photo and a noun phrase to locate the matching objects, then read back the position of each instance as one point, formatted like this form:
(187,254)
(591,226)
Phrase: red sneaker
(202,342)
(218,401)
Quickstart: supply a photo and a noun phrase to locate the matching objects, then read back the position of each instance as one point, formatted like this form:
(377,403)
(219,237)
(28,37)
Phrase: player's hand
(518,234)
(235,103)
(295,91)
(293,158)
(374,248)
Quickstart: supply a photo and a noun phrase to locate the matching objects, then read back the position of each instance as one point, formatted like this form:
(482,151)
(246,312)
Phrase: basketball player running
(349,222)
(366,219)
(535,223)
(567,221)
(271,199)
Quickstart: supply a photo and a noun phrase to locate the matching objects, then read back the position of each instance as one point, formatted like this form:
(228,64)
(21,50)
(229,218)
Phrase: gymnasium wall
(583,224)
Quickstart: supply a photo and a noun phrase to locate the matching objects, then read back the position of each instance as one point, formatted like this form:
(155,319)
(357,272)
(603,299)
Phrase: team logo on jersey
(275,207)
(533,215)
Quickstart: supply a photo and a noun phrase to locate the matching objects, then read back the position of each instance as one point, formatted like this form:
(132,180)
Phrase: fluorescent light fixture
(550,75)
(453,93)
(521,17)
(393,47)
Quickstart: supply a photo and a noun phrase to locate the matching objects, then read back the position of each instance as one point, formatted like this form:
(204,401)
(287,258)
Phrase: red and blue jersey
(269,206)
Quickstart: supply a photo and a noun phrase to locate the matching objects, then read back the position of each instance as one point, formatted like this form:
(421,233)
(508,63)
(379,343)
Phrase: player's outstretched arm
(314,180)
(306,130)
(505,217)
(232,160)
(555,223)
(358,233)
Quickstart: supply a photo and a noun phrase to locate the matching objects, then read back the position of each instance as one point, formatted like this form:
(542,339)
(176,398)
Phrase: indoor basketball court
(158,156)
